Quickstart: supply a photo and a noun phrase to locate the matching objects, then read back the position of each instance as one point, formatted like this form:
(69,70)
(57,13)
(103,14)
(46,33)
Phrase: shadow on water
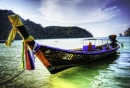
(81,76)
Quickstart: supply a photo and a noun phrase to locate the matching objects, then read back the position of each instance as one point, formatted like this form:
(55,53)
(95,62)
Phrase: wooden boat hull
(61,59)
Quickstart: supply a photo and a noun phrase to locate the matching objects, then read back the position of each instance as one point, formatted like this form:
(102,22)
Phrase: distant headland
(127,32)
(40,32)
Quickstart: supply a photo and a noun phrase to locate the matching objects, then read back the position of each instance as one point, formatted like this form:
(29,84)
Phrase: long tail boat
(53,58)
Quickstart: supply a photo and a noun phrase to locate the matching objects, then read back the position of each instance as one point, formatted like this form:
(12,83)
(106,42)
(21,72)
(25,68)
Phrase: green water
(110,72)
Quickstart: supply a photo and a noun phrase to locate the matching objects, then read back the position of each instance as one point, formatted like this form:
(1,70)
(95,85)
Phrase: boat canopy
(95,41)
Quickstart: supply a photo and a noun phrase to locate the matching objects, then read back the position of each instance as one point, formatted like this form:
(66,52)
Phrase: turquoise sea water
(110,72)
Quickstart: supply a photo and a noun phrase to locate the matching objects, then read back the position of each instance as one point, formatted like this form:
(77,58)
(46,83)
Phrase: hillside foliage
(38,31)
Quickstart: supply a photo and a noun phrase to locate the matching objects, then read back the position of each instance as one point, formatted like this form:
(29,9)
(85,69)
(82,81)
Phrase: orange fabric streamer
(42,58)
(28,64)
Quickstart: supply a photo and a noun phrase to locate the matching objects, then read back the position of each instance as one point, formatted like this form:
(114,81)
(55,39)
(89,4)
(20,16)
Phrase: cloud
(123,5)
(77,11)
(93,15)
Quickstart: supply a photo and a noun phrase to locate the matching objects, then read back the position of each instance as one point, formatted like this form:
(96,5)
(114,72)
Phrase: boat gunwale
(81,52)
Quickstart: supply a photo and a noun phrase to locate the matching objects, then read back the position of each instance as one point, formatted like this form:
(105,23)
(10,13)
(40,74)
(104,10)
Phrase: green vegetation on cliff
(127,32)
(39,32)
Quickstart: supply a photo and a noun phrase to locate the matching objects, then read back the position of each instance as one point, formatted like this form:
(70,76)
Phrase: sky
(100,17)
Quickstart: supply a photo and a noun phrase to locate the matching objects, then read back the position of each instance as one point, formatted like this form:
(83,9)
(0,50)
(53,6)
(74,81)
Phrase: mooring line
(12,77)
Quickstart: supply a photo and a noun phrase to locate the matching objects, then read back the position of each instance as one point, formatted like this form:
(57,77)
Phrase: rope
(12,78)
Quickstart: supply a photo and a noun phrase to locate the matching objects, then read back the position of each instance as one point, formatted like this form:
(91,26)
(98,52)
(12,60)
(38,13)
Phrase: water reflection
(86,76)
